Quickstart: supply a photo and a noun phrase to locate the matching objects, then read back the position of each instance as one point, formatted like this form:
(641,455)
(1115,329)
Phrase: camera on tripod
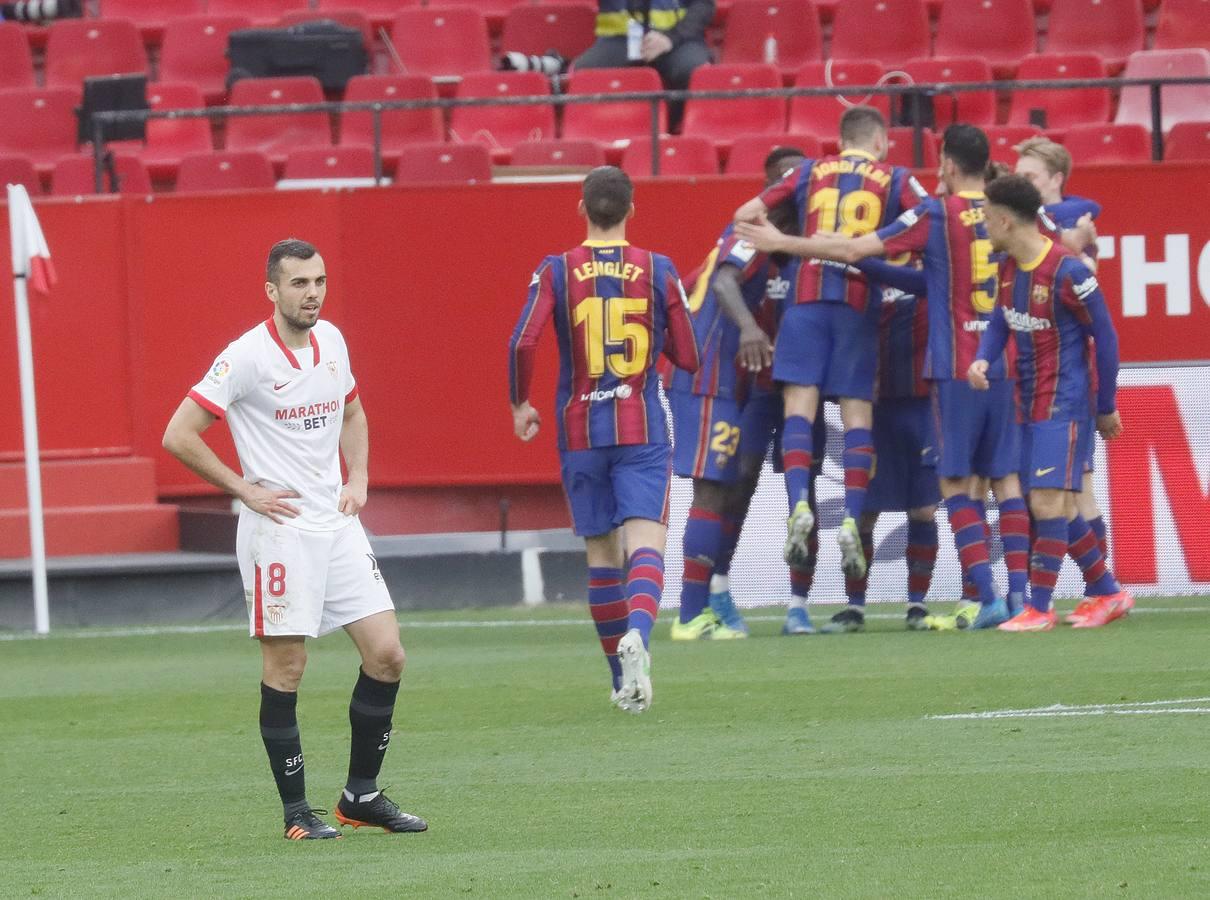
(548,63)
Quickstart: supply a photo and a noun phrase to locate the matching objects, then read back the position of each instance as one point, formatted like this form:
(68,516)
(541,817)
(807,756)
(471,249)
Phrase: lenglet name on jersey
(607,269)
(849,167)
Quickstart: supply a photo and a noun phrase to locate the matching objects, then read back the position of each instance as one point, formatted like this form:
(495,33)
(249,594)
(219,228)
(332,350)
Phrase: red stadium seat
(749,151)
(611,122)
(276,135)
(1187,141)
(17,169)
(195,49)
(821,115)
(1112,29)
(974,107)
(494,10)
(330,162)
(900,150)
(442,41)
(79,48)
(225,170)
(1000,31)
(381,13)
(73,175)
(793,26)
(723,120)
(568,28)
(169,140)
(350,18)
(444,163)
(891,31)
(1063,107)
(500,128)
(1108,144)
(683,155)
(1179,103)
(16,62)
(1003,138)
(151,15)
(39,123)
(559,153)
(261,12)
(400,127)
(1183,23)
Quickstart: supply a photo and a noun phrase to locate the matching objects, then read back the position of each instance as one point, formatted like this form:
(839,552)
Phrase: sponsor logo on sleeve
(743,251)
(220,370)
(1086,287)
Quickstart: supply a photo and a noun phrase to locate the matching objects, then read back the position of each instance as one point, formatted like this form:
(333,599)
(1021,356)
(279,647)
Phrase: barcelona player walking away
(613,306)
(1051,303)
(827,342)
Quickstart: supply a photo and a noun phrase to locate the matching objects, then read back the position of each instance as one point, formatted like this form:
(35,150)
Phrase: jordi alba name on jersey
(285,409)
(852,194)
(717,336)
(612,305)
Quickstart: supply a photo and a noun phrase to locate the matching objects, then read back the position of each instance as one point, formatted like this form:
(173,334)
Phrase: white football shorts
(306,582)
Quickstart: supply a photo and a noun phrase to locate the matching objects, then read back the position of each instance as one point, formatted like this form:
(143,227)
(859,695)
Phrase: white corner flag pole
(24,231)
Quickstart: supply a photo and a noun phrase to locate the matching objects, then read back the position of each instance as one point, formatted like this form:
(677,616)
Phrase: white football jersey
(285,409)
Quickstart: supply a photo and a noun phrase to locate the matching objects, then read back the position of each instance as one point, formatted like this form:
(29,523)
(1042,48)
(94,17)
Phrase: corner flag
(31,266)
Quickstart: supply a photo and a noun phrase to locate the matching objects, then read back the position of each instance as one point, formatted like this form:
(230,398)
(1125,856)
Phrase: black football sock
(370,713)
(279,731)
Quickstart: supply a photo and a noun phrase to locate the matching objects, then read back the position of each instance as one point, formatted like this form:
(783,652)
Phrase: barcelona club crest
(1041,293)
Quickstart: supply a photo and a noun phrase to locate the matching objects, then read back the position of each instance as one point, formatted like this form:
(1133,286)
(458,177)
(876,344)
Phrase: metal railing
(915,96)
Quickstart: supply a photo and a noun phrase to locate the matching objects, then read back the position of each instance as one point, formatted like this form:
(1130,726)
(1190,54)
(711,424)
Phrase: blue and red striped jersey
(853,193)
(961,274)
(902,342)
(717,336)
(1052,305)
(613,306)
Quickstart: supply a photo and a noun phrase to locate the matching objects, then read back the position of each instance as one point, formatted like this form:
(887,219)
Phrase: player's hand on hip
(655,44)
(755,351)
(977,375)
(1110,425)
(271,503)
(526,421)
(352,497)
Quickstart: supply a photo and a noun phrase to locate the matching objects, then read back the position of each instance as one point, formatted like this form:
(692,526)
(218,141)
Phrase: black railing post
(1157,123)
(377,120)
(98,155)
(655,136)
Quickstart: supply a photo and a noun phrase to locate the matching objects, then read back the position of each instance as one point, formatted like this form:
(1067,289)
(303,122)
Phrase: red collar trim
(272,326)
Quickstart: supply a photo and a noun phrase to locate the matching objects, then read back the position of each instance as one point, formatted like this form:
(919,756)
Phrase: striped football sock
(644,587)
(971,543)
(1049,549)
(921,558)
(801,579)
(1084,549)
(1014,534)
(858,467)
(796,447)
(607,604)
(703,534)
(855,588)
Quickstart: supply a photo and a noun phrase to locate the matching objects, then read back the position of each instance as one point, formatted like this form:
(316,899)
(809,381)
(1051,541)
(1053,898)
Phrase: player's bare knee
(389,663)
(284,665)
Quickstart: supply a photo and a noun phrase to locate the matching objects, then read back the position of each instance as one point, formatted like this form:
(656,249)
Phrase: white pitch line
(1141,707)
(157,630)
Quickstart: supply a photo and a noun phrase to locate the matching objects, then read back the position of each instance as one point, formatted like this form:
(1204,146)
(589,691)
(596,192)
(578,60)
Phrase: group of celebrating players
(843,281)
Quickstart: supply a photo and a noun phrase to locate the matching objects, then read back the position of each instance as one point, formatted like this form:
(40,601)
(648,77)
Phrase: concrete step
(74,530)
(115,481)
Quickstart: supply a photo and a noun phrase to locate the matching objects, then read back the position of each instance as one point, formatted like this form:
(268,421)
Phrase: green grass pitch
(773,767)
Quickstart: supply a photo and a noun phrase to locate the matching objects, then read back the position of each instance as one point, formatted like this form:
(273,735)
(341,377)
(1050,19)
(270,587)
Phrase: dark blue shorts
(609,485)
(905,457)
(827,345)
(1053,454)
(706,434)
(977,431)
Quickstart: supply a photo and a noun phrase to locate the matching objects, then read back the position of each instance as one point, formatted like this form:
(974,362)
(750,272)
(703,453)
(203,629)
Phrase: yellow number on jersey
(857,213)
(725,438)
(983,271)
(605,322)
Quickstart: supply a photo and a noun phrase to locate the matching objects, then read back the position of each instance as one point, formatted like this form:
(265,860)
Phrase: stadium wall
(426,284)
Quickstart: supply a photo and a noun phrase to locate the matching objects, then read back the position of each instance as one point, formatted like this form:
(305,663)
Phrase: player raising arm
(290,400)
(613,306)
(1052,304)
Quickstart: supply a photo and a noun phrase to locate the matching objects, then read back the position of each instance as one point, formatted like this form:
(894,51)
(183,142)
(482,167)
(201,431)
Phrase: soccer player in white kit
(290,400)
